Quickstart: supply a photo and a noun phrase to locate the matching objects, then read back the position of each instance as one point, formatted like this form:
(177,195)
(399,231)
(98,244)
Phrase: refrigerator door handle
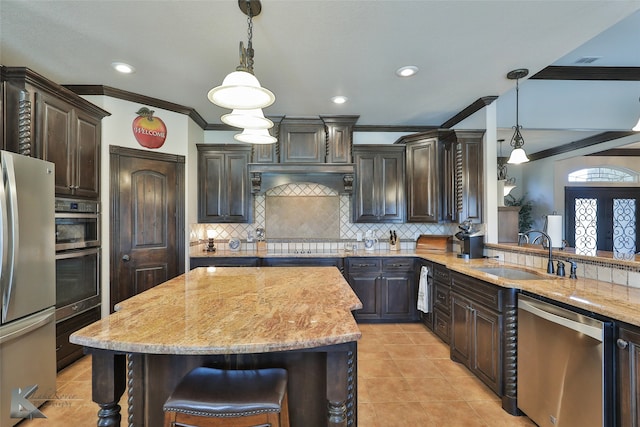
(9,231)
(33,324)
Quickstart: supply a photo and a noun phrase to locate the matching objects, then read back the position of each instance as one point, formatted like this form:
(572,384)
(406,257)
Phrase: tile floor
(405,379)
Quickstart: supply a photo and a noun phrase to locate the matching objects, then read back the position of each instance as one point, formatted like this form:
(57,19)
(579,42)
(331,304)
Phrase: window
(602,218)
(603,174)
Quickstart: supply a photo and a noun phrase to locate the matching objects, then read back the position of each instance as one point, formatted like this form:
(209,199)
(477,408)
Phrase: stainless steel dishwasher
(565,366)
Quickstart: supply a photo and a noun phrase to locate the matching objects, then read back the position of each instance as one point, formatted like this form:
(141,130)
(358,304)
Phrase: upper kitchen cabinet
(50,122)
(423,179)
(469,187)
(444,175)
(326,139)
(224,191)
(339,137)
(302,140)
(379,183)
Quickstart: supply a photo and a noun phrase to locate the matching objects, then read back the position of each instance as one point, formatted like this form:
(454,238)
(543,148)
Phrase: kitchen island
(231,318)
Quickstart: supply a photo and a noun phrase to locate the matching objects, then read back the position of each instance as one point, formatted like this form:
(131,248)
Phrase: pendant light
(507,184)
(255,136)
(241,89)
(247,119)
(517,154)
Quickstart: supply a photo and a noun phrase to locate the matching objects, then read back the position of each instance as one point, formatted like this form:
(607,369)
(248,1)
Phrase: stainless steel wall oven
(77,256)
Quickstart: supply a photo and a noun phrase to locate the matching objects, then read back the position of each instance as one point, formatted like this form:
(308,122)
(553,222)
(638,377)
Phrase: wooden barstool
(208,397)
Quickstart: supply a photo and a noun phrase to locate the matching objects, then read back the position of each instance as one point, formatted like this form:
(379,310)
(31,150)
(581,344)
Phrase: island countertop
(232,310)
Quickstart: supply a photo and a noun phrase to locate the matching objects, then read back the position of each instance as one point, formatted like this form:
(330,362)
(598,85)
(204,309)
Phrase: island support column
(108,383)
(340,387)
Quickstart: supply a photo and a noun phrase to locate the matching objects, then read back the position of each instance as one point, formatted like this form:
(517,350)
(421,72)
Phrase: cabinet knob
(622,344)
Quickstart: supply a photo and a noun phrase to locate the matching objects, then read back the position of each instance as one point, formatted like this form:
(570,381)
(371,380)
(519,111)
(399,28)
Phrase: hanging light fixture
(247,119)
(636,128)
(255,136)
(517,154)
(507,183)
(241,89)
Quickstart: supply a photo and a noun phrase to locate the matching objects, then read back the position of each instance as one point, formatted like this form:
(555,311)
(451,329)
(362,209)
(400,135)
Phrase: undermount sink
(511,273)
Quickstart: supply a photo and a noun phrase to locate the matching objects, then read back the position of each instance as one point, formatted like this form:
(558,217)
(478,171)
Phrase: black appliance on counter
(471,242)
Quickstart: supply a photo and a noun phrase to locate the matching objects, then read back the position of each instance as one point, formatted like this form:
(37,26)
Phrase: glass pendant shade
(507,189)
(255,136)
(518,156)
(247,119)
(242,90)
(636,128)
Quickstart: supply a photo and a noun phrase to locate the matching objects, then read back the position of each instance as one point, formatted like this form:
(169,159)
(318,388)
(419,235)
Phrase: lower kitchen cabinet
(483,334)
(67,353)
(387,288)
(442,302)
(303,262)
(223,262)
(628,344)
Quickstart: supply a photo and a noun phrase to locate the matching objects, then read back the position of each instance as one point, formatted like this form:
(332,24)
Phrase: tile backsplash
(291,212)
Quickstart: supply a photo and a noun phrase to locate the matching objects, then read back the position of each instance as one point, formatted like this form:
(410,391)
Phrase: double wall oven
(77,256)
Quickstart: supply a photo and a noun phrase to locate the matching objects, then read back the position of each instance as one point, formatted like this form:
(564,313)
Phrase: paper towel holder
(554,230)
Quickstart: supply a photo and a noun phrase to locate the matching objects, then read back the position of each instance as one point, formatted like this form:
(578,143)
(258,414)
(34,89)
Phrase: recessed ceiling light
(407,71)
(339,99)
(123,68)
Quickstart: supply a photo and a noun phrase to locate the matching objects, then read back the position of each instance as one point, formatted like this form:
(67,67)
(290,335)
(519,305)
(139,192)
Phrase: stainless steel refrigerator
(27,285)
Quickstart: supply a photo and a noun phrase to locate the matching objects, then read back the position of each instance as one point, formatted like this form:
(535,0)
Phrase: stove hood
(338,176)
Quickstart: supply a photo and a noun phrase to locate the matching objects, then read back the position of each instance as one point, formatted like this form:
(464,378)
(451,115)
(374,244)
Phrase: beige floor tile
(472,388)
(417,368)
(376,368)
(432,389)
(493,415)
(384,390)
(452,414)
(401,415)
(405,378)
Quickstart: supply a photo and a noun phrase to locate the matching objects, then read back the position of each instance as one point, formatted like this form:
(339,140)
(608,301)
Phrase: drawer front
(442,325)
(441,273)
(481,292)
(66,353)
(398,264)
(442,297)
(364,264)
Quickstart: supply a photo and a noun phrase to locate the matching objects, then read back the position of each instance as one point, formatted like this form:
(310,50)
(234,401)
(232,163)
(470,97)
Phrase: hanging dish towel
(423,294)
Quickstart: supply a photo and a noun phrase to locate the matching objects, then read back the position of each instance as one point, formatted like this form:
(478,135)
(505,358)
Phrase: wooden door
(147,220)
(422,181)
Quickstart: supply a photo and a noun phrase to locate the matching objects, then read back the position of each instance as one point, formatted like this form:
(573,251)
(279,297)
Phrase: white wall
(543,180)
(182,135)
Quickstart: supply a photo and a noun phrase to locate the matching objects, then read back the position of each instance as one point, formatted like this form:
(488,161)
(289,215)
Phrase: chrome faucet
(550,269)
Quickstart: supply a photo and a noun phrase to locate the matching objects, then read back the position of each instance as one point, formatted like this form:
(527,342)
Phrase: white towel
(423,290)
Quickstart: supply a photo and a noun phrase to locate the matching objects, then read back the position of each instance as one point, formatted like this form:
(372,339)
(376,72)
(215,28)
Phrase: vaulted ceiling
(307,51)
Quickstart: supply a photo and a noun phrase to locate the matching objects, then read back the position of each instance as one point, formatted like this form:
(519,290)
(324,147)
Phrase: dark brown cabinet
(628,371)
(60,127)
(71,140)
(442,302)
(478,328)
(379,184)
(444,175)
(423,180)
(224,192)
(339,137)
(231,261)
(302,140)
(386,287)
(67,353)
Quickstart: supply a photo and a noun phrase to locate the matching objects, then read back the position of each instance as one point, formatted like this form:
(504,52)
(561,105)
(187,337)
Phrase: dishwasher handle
(592,331)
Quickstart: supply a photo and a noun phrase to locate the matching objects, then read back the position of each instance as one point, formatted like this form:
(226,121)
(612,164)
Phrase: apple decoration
(149,131)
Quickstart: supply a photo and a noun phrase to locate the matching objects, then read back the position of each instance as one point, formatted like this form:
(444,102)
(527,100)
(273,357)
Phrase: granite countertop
(232,311)
(607,299)
(617,302)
